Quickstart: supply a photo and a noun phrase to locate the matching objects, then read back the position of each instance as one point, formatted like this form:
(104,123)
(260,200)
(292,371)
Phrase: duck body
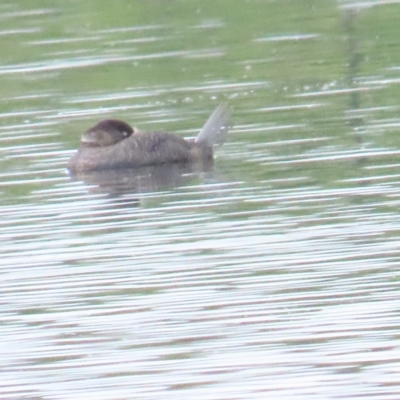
(114,144)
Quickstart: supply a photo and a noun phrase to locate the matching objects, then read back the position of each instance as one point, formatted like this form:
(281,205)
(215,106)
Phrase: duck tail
(215,129)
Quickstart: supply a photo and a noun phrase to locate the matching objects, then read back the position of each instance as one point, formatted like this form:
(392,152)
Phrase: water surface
(273,274)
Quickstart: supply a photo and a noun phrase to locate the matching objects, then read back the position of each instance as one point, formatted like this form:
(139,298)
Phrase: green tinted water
(275,272)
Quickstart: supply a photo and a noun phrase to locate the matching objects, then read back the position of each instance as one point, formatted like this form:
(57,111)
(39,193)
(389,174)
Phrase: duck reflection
(152,178)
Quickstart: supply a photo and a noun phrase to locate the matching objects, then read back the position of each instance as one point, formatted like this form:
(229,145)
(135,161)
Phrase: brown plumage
(114,144)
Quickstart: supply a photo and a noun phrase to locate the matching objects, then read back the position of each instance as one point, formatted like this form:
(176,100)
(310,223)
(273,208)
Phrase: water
(273,274)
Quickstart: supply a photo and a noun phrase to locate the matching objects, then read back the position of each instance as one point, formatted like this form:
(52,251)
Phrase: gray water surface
(273,274)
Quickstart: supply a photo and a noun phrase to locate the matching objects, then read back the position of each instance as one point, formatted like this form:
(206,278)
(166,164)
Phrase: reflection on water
(141,180)
(272,274)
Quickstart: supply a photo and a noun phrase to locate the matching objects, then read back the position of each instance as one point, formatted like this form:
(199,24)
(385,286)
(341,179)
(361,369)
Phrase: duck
(113,143)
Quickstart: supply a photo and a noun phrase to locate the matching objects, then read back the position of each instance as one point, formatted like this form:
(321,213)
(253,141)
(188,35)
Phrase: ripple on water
(273,275)
(173,294)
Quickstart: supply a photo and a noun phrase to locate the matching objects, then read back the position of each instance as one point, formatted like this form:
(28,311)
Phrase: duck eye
(125,134)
